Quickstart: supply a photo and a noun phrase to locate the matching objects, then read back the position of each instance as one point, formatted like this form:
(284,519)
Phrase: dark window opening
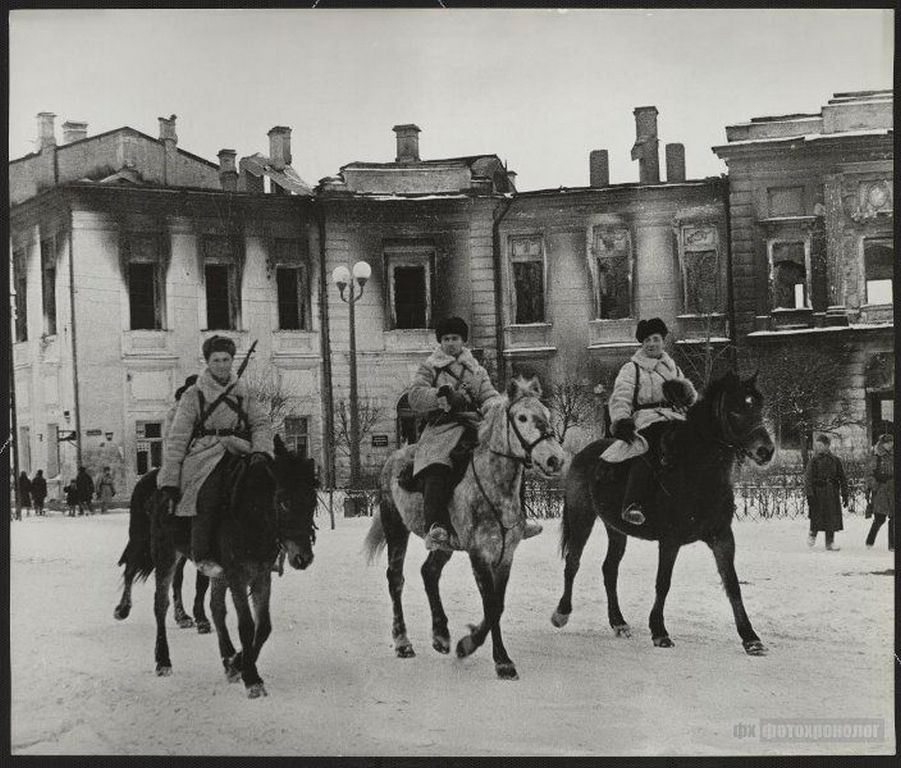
(789,276)
(528,281)
(882,415)
(791,435)
(879,258)
(291,303)
(701,282)
(48,286)
(613,262)
(149,452)
(297,437)
(410,300)
(21,288)
(218,298)
(143,296)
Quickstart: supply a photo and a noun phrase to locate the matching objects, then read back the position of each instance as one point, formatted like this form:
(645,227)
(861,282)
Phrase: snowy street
(83,683)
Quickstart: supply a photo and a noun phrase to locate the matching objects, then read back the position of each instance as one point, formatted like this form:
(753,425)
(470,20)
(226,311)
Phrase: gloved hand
(624,429)
(676,393)
(171,494)
(456,401)
(258,457)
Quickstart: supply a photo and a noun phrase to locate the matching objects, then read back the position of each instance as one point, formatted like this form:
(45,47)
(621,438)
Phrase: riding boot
(638,484)
(436,495)
(201,542)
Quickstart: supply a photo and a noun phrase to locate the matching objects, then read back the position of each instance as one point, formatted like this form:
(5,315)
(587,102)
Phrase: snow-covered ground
(83,683)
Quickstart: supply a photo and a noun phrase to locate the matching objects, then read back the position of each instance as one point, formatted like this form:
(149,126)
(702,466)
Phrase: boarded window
(528,280)
(786,201)
(612,252)
(48,285)
(879,256)
(291,298)
(20,285)
(789,276)
(297,434)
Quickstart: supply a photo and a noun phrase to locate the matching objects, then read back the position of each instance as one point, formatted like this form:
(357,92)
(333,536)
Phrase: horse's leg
(431,575)
(246,630)
(576,525)
(616,548)
(231,661)
(666,559)
(165,565)
(723,546)
(181,617)
(260,591)
(124,607)
(485,581)
(505,668)
(396,536)
(201,584)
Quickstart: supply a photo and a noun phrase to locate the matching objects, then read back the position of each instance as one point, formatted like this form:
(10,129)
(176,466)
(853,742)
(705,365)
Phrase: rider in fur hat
(451,389)
(650,391)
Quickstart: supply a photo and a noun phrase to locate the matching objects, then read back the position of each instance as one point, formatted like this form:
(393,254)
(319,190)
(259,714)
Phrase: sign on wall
(380,441)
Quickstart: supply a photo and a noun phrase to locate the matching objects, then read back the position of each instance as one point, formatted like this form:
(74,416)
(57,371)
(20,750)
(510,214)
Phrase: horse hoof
(256,690)
(559,619)
(441,644)
(465,647)
(163,670)
(186,623)
(663,642)
(404,652)
(506,671)
(755,648)
(623,630)
(203,627)
(121,613)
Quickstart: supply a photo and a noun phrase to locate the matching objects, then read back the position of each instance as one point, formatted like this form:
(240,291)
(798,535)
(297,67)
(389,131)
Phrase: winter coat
(85,486)
(442,433)
(39,489)
(652,372)
(824,482)
(72,494)
(105,488)
(188,460)
(882,479)
(24,489)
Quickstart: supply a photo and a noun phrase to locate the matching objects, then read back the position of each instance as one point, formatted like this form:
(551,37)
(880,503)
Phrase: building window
(20,285)
(527,267)
(789,276)
(149,454)
(407,424)
(612,267)
(700,270)
(297,434)
(292,305)
(791,435)
(220,277)
(882,414)
(409,288)
(878,257)
(145,297)
(48,285)
(786,201)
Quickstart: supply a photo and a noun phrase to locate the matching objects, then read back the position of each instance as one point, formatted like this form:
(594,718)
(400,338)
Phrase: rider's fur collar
(650,363)
(440,359)
(212,389)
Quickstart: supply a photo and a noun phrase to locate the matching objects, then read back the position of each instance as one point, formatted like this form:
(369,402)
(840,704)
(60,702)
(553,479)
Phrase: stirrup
(633,514)
(438,538)
(210,568)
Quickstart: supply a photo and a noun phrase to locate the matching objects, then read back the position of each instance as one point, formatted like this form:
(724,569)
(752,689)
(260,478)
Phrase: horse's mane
(497,407)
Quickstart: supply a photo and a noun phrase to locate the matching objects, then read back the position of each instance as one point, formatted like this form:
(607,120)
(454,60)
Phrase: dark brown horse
(693,501)
(272,508)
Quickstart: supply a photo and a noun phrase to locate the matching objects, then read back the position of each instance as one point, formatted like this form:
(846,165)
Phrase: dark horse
(272,507)
(693,501)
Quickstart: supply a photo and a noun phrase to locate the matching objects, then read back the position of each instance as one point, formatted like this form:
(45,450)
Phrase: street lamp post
(341,277)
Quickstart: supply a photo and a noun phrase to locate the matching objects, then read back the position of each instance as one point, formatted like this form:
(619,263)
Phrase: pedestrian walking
(24,494)
(38,492)
(71,491)
(105,490)
(85,486)
(881,483)
(827,490)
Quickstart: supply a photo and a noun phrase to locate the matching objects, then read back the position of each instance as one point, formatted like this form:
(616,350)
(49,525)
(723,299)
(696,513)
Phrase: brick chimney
(169,139)
(228,171)
(407,143)
(167,129)
(675,162)
(599,168)
(46,131)
(280,147)
(645,149)
(74,131)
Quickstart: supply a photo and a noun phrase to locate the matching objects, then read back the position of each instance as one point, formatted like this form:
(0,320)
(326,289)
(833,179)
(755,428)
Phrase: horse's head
(295,504)
(738,410)
(524,431)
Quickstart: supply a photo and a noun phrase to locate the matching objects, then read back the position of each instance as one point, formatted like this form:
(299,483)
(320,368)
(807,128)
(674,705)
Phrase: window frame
(291,437)
(804,240)
(288,254)
(408,256)
(230,262)
(882,240)
(705,246)
(595,233)
(136,256)
(512,259)
(20,286)
(146,445)
(48,302)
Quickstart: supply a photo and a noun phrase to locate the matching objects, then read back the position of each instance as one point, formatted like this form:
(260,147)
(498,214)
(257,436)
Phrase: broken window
(20,285)
(149,445)
(292,286)
(297,434)
(221,284)
(789,276)
(700,271)
(527,261)
(612,254)
(144,282)
(879,257)
(409,289)
(48,285)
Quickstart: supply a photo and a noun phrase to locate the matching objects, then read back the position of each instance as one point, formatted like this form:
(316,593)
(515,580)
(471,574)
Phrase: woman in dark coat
(38,492)
(825,482)
(24,491)
(882,489)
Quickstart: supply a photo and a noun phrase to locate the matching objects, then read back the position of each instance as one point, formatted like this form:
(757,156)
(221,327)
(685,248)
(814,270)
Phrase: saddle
(460,457)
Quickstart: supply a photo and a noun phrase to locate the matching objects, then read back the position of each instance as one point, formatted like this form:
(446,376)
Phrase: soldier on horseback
(215,423)
(650,392)
(450,389)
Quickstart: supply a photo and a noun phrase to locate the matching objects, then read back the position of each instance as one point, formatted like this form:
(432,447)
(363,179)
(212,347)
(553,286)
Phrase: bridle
(729,437)
(282,508)
(528,447)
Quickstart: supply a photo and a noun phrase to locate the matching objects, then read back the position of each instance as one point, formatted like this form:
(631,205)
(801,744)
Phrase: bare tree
(265,386)
(370,411)
(704,359)
(573,402)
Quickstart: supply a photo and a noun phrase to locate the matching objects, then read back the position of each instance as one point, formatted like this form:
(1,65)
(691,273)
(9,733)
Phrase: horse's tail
(375,540)
(136,556)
